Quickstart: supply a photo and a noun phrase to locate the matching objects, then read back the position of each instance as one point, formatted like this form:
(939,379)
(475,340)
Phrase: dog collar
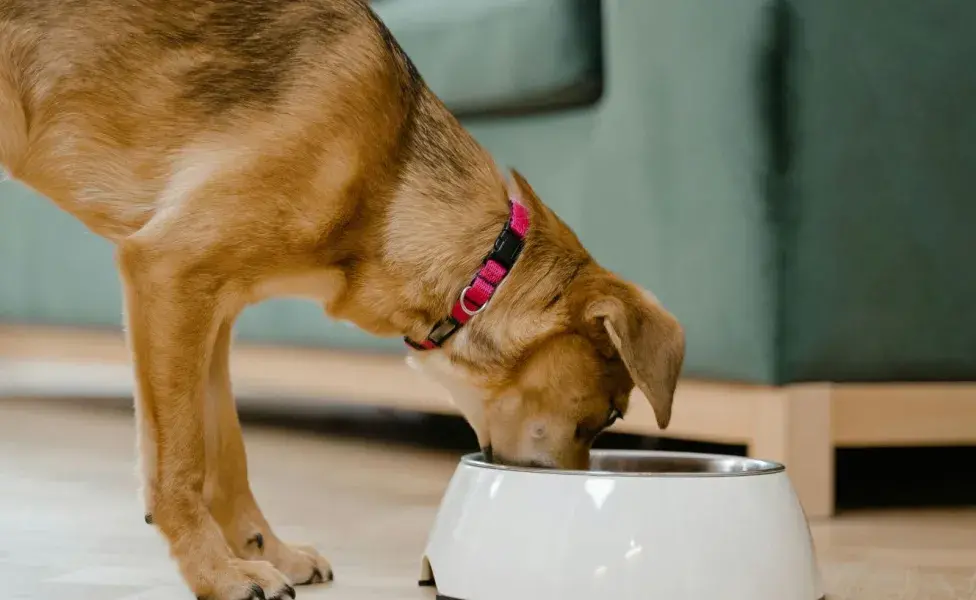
(495,268)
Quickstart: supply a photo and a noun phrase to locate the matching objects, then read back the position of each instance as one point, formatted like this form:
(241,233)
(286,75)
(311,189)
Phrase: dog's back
(13,73)
(106,103)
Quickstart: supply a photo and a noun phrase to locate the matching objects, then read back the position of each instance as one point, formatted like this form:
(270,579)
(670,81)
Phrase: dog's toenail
(315,578)
(257,540)
(256,593)
(287,592)
(149,519)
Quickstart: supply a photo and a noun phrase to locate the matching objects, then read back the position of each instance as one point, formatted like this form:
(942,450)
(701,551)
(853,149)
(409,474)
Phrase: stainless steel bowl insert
(637,463)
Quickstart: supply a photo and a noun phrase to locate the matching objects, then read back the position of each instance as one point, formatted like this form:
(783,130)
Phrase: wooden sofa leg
(793,427)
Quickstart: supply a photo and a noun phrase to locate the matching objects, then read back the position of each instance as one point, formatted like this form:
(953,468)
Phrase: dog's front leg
(227,488)
(174,305)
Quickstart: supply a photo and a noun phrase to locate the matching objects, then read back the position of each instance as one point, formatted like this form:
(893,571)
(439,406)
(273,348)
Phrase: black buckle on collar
(439,334)
(444,329)
(508,247)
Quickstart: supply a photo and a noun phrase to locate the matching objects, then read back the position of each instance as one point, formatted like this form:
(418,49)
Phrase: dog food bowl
(636,526)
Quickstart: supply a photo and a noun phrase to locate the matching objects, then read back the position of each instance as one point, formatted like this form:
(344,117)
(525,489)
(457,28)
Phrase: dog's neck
(442,217)
(448,206)
(461,229)
(421,236)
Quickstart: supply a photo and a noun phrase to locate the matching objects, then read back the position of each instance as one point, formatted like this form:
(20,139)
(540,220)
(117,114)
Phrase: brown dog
(235,150)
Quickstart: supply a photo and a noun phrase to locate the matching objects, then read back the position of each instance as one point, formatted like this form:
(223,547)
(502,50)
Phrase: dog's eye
(589,432)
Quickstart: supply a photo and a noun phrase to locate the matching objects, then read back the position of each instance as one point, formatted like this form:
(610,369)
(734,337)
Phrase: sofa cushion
(878,277)
(501,55)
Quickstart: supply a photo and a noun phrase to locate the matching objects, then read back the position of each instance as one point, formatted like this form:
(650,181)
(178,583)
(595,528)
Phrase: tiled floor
(71,522)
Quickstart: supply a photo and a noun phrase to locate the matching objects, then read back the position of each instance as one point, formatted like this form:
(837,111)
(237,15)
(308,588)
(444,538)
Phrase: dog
(238,150)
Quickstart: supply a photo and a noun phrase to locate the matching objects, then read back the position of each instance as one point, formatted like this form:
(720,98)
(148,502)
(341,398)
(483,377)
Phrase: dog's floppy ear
(648,339)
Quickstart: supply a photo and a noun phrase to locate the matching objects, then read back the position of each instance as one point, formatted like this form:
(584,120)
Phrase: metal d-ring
(464,299)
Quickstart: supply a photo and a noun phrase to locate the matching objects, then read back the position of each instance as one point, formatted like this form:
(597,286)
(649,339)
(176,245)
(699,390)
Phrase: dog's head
(551,365)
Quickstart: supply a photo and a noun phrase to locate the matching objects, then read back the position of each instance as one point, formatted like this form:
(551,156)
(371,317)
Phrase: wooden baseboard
(904,414)
(98,361)
(860,414)
(52,360)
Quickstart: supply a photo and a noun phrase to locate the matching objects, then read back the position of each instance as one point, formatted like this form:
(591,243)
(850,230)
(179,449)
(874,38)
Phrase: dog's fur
(235,150)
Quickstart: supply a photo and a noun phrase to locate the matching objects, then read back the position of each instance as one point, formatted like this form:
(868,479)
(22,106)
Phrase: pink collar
(496,266)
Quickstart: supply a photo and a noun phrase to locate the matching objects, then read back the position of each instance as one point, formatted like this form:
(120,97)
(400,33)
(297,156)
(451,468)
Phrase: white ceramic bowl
(637,526)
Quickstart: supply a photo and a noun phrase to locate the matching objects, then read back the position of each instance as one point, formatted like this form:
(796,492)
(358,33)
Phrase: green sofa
(794,179)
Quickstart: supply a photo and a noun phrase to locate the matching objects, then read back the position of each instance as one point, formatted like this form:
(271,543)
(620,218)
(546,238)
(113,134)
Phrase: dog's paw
(301,564)
(245,580)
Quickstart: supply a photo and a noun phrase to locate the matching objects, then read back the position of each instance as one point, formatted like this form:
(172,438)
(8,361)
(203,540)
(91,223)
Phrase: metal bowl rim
(763,467)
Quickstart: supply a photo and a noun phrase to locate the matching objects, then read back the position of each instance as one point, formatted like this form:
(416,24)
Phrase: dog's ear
(648,339)
(520,190)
